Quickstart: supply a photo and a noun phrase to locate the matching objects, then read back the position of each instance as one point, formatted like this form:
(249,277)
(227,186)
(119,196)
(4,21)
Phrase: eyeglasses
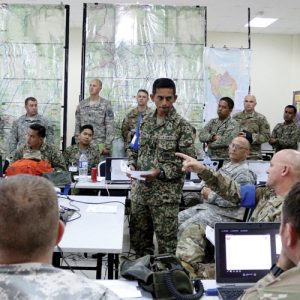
(236,146)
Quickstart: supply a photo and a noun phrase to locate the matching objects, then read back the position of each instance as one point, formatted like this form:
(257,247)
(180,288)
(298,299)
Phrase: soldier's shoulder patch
(110,113)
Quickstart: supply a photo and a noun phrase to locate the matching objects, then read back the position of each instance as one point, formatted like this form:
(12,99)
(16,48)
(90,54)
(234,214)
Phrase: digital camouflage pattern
(157,146)
(268,209)
(161,218)
(37,281)
(47,152)
(100,115)
(129,125)
(287,136)
(227,129)
(193,252)
(72,154)
(18,133)
(215,208)
(285,286)
(258,125)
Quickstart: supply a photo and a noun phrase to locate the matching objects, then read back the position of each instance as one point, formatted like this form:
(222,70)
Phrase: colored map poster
(226,74)
(129,46)
(31,63)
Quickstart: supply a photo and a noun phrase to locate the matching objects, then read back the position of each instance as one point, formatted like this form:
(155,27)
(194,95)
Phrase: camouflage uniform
(129,125)
(101,116)
(215,208)
(287,136)
(43,281)
(72,154)
(155,205)
(227,129)
(285,286)
(17,136)
(191,245)
(258,125)
(48,152)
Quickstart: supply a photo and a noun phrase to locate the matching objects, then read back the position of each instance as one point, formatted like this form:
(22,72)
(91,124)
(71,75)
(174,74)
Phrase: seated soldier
(72,153)
(29,230)
(215,208)
(283,173)
(36,148)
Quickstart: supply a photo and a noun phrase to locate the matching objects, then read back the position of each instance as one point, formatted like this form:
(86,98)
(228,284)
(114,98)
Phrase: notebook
(215,164)
(244,253)
(259,167)
(114,170)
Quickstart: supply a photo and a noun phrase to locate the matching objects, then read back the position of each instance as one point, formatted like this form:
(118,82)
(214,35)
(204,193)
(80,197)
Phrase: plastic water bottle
(83,167)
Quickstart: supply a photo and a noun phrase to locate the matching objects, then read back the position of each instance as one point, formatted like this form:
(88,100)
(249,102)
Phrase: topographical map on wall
(31,62)
(226,73)
(129,46)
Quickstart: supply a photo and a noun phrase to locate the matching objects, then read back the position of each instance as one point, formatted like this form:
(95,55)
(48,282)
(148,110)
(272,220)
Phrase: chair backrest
(101,168)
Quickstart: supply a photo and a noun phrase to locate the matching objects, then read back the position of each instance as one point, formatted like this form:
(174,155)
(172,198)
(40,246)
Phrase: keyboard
(230,293)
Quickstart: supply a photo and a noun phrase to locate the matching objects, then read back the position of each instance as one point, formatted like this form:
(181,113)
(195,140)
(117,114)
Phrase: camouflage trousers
(200,270)
(147,219)
(206,214)
(195,252)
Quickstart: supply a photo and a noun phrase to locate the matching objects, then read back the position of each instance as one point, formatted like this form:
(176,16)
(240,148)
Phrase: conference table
(98,229)
(101,184)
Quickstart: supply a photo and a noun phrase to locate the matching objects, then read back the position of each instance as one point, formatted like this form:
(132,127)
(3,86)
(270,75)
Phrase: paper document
(137,174)
(210,234)
(134,174)
(101,208)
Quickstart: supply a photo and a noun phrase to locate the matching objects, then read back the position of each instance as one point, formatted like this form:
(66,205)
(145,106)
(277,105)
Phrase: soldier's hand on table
(190,164)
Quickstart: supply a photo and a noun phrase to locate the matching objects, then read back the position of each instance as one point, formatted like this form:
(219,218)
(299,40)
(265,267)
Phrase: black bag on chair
(162,276)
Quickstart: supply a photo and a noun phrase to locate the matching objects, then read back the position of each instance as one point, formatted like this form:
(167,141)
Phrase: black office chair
(73,140)
(101,168)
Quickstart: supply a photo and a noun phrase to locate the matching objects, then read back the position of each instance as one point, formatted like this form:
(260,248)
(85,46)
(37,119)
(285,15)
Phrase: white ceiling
(222,15)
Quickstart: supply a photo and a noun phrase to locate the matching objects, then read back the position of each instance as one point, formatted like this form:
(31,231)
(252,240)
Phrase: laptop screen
(245,252)
(259,167)
(114,169)
(215,164)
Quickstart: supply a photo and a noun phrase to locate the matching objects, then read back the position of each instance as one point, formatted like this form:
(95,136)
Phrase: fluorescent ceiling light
(261,22)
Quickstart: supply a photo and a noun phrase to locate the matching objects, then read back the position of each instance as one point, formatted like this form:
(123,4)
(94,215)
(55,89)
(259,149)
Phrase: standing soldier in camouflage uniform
(219,132)
(29,230)
(254,126)
(38,149)
(17,136)
(96,111)
(286,135)
(283,173)
(131,120)
(155,201)
(215,208)
(72,153)
(282,282)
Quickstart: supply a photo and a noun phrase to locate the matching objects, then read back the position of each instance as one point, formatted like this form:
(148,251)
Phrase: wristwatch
(161,174)
(276,271)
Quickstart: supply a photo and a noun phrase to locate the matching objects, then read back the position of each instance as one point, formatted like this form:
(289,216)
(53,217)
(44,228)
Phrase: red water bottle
(94,175)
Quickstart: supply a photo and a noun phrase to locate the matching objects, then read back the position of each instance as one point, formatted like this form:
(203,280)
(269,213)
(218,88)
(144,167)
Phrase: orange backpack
(28,166)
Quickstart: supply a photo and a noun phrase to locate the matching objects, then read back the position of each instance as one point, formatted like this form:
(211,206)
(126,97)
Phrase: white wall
(275,70)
